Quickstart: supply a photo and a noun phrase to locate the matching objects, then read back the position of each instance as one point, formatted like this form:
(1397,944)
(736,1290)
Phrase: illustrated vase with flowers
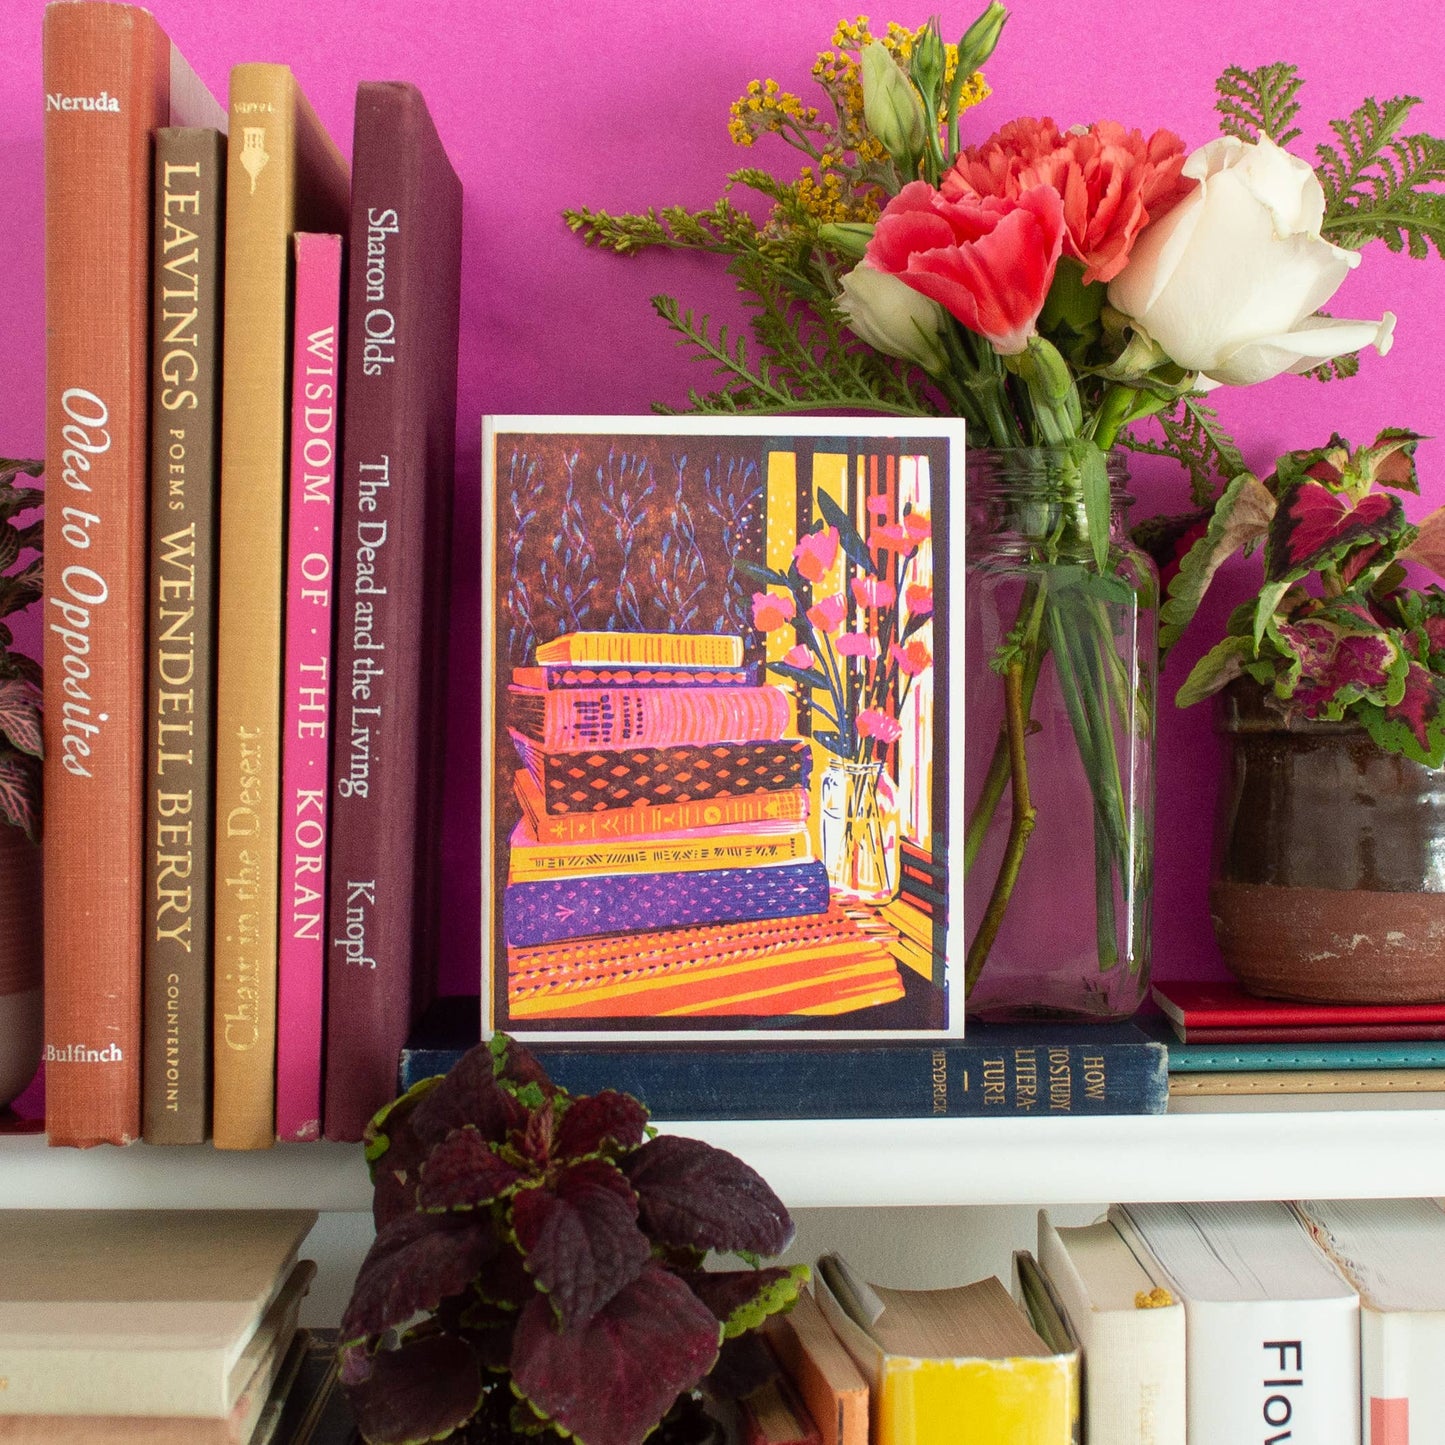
(1072,293)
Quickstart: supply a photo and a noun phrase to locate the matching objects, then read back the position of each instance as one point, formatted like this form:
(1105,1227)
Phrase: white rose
(1228,282)
(894,318)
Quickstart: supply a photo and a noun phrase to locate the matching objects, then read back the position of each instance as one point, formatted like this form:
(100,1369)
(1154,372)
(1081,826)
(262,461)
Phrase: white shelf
(1271,1154)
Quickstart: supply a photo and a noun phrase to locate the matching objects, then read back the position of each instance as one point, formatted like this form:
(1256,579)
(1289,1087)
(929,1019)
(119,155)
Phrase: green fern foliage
(1194,437)
(1381,185)
(1252,103)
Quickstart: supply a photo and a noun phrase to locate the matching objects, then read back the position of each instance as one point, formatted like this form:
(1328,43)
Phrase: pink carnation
(988,261)
(827,614)
(1113,182)
(913,657)
(891,538)
(798,657)
(875,724)
(770,611)
(919,599)
(857,644)
(816,552)
(873,592)
(918,526)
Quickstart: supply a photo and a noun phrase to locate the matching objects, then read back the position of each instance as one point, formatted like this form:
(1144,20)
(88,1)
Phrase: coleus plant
(1334,631)
(538,1262)
(20,736)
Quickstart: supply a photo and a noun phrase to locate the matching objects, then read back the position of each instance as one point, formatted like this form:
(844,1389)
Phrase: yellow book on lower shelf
(958,1366)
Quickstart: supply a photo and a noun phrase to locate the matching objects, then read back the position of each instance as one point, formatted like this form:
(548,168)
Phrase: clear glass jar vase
(859,808)
(1059,691)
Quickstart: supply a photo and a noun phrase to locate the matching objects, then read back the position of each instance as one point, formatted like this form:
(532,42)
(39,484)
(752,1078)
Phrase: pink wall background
(624,105)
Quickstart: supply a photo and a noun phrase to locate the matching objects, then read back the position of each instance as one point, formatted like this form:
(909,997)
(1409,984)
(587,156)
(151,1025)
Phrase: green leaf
(1252,103)
(1241,517)
(809,677)
(1378,183)
(1094,479)
(1194,438)
(1219,666)
(768,576)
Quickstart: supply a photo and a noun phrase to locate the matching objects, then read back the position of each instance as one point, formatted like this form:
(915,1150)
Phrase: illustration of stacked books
(663,863)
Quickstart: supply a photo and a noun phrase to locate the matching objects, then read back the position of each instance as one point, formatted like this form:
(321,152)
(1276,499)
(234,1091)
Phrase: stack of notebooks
(1229,1048)
(149,1327)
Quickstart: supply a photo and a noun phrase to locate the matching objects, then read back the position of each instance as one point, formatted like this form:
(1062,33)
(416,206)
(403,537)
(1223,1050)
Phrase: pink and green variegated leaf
(20,793)
(1216,669)
(580,1238)
(20,715)
(1428,547)
(1332,664)
(1415,726)
(593,1119)
(413,1264)
(464,1171)
(693,1194)
(610,1383)
(423,1391)
(1240,520)
(743,1298)
(1314,528)
(1389,461)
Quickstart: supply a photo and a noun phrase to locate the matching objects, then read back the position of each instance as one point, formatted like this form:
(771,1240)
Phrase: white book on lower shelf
(1130,1334)
(1393,1252)
(1272,1327)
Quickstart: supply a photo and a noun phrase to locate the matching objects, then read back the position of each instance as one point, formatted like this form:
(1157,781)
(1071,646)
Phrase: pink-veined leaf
(580,1238)
(610,1383)
(20,793)
(20,715)
(1415,726)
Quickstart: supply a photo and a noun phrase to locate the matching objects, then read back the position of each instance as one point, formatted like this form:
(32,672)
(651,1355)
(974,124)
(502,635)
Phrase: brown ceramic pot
(1329,874)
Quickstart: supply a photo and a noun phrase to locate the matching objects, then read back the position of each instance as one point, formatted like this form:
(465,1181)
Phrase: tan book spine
(284,174)
(110,79)
(185,435)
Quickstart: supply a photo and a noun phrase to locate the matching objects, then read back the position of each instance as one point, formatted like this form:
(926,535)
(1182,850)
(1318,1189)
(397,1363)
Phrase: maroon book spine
(393,578)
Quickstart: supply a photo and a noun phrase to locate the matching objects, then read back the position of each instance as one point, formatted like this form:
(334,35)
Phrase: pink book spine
(662,717)
(310,554)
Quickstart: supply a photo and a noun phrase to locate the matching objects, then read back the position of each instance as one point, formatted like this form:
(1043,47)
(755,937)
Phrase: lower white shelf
(1268,1154)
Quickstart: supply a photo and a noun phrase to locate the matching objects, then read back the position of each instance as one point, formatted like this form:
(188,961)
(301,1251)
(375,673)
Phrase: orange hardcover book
(112,77)
(284,174)
(831,1385)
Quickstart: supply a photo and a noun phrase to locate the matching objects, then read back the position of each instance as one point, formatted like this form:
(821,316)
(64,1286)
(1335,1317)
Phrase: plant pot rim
(1244,707)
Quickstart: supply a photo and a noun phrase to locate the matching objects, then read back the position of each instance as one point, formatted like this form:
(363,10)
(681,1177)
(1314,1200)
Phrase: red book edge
(1200,1005)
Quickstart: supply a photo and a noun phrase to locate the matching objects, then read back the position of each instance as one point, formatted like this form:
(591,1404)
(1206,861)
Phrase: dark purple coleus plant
(544,1252)
(1334,631)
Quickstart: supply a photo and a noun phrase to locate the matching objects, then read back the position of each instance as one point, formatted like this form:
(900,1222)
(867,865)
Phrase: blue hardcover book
(996,1072)
(552,909)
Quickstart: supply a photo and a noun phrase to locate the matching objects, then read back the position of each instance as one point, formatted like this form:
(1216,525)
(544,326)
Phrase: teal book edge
(1214,1058)
(995,1071)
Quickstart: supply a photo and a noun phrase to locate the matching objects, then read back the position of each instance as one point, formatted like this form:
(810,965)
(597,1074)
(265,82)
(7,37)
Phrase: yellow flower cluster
(839,186)
(829,197)
(766,108)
